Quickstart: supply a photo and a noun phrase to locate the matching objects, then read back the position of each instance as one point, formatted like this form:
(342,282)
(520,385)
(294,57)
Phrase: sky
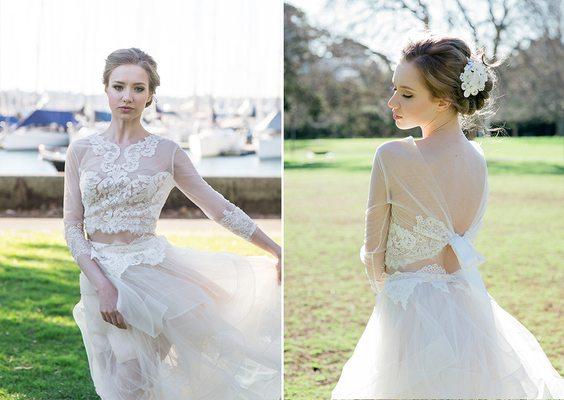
(226,48)
(391,31)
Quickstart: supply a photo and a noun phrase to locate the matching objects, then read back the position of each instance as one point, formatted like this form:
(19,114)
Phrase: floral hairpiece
(473,78)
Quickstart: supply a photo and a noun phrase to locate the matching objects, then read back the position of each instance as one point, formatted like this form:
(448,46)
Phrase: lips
(396,117)
(125,108)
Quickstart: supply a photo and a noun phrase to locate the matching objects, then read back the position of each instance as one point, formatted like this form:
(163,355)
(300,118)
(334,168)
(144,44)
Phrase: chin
(403,126)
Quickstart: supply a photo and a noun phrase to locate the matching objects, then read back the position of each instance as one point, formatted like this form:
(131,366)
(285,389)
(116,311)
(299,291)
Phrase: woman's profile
(160,321)
(435,332)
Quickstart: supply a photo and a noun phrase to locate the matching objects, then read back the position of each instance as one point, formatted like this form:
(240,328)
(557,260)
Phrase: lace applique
(433,269)
(432,228)
(405,246)
(118,203)
(238,222)
(115,202)
(399,286)
(132,153)
(77,243)
(116,258)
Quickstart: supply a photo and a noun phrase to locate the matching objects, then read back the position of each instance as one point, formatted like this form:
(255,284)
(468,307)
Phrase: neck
(444,124)
(126,131)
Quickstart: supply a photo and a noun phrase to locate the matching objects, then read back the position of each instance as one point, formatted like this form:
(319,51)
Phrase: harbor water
(29,163)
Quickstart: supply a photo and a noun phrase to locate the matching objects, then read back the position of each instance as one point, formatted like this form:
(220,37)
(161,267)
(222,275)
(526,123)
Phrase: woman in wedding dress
(435,332)
(159,321)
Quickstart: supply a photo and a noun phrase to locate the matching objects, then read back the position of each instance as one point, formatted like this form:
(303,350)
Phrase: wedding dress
(200,325)
(435,332)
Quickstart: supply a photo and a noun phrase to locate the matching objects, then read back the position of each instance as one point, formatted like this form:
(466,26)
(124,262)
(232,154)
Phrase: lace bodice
(116,199)
(417,197)
(112,190)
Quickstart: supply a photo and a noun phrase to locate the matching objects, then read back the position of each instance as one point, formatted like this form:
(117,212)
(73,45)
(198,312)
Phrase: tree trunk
(560,126)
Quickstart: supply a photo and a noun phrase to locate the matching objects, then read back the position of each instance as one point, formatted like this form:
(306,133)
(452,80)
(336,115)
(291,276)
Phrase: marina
(28,162)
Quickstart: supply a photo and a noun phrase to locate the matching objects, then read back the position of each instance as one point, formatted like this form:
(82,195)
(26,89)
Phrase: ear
(443,105)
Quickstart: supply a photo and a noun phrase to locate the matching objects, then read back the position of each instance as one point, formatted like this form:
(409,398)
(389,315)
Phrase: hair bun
(441,61)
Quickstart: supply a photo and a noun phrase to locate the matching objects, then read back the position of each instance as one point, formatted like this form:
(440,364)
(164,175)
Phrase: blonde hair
(441,60)
(136,57)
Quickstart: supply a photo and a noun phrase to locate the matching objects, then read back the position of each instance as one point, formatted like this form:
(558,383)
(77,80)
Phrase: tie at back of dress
(438,192)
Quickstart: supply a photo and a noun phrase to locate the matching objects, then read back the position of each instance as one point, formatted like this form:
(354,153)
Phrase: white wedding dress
(200,325)
(435,332)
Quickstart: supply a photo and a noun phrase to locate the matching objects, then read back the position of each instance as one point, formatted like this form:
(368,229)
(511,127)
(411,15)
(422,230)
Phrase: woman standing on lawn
(159,321)
(435,332)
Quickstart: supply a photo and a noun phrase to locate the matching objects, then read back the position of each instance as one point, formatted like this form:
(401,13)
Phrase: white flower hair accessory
(473,78)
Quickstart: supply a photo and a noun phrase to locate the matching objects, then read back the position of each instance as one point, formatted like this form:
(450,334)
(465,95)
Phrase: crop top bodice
(113,189)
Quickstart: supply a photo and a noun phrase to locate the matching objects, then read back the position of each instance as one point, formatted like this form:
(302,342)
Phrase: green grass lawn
(327,298)
(41,352)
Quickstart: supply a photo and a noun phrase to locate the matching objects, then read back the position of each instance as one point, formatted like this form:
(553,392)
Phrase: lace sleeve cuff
(76,241)
(238,222)
(375,274)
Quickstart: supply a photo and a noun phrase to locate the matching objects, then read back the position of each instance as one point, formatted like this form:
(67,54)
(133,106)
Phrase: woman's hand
(108,296)
(279,267)
(261,240)
(276,251)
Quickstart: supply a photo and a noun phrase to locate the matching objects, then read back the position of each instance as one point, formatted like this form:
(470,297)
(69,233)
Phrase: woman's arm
(260,239)
(377,222)
(215,206)
(79,246)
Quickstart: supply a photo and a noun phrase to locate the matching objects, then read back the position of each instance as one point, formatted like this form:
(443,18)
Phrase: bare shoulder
(478,147)
(393,149)
(80,146)
(167,142)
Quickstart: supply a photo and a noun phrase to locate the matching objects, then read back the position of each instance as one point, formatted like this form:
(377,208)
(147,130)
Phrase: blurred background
(340,55)
(220,64)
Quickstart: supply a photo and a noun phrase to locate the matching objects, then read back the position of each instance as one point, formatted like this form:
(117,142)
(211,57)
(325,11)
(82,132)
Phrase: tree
(334,86)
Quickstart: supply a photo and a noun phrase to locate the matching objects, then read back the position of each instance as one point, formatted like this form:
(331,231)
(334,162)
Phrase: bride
(159,321)
(435,332)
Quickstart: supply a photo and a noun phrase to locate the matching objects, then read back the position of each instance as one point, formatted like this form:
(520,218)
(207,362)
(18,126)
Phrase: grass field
(41,352)
(327,299)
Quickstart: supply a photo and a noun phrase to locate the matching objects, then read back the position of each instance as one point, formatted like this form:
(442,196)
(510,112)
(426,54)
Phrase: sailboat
(48,127)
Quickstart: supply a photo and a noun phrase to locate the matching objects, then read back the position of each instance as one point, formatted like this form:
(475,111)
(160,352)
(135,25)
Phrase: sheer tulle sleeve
(73,211)
(212,203)
(377,222)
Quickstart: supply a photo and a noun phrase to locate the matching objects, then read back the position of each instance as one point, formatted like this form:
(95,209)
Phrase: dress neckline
(435,181)
(111,151)
(447,137)
(139,142)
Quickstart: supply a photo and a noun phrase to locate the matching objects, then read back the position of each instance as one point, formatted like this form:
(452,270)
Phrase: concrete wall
(256,196)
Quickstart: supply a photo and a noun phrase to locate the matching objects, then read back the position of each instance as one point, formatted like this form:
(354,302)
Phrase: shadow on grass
(525,167)
(328,165)
(494,167)
(41,350)
(48,246)
(36,258)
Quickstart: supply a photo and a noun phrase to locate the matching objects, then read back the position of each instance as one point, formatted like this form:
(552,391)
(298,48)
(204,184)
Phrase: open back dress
(435,332)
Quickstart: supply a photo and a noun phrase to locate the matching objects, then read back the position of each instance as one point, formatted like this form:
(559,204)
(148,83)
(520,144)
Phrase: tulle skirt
(200,325)
(429,337)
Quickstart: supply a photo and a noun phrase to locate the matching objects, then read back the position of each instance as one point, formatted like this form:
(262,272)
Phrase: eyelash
(403,95)
(118,87)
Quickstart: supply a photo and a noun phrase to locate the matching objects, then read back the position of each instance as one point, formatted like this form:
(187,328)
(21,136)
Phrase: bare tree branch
(469,22)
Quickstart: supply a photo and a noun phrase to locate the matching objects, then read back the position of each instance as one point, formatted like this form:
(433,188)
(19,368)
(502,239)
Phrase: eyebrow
(136,83)
(406,87)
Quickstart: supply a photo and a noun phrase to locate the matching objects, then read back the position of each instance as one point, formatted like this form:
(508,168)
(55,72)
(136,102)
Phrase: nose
(392,102)
(126,96)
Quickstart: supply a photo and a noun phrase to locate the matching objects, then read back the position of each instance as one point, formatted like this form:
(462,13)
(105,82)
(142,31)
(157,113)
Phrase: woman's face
(412,104)
(128,91)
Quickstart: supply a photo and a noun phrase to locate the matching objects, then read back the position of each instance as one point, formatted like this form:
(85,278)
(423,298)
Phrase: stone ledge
(255,195)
